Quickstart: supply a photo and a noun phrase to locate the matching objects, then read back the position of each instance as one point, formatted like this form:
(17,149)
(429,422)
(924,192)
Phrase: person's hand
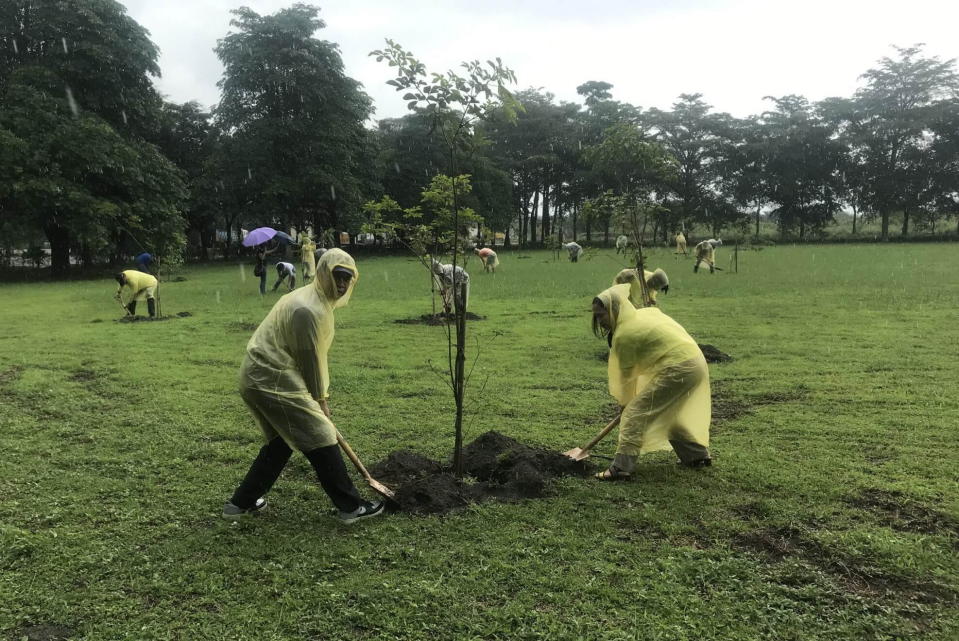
(326,408)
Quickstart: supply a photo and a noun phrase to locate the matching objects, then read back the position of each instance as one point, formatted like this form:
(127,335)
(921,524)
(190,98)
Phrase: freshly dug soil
(140,319)
(713,355)
(497,468)
(437,319)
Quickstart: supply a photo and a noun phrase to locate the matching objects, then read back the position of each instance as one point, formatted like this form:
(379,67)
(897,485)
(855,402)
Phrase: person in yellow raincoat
(681,244)
(307,255)
(706,252)
(134,285)
(656,281)
(284,382)
(659,376)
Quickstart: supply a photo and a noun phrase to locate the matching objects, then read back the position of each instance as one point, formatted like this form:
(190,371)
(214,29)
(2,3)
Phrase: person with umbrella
(284,382)
(259,238)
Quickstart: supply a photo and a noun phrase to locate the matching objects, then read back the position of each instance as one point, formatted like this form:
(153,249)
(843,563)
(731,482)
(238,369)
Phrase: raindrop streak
(64,41)
(124,114)
(332,192)
(16,49)
(386,276)
(218,297)
(72,103)
(249,173)
(242,276)
(396,166)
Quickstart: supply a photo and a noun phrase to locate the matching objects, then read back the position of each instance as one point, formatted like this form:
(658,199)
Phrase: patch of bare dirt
(777,544)
(497,467)
(152,319)
(11,374)
(899,512)
(437,319)
(242,326)
(45,632)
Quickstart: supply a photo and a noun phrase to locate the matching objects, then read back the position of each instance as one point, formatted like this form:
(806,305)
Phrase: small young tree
(455,102)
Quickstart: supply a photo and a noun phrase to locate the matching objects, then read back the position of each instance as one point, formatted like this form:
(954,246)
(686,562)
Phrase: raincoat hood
(658,280)
(616,301)
(324,283)
(715,242)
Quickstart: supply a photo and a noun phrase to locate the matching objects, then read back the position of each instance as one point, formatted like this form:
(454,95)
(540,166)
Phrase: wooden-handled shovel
(375,485)
(582,453)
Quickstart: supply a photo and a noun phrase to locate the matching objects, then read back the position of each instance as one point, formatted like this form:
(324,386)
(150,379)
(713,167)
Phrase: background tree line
(95,162)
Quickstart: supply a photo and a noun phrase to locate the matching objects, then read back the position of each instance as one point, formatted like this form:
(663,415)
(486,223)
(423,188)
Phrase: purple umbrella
(261,235)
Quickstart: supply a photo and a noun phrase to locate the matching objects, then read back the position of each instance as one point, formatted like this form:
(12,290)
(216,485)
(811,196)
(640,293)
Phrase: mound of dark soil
(713,355)
(497,467)
(141,319)
(437,319)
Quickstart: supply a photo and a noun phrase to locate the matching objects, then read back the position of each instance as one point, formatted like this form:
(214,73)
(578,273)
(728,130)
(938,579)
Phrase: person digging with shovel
(660,378)
(284,382)
(134,285)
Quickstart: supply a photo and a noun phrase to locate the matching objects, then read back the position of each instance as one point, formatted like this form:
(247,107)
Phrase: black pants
(327,463)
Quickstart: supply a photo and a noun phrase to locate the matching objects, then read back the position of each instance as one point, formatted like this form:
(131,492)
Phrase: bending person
(575,251)
(655,282)
(284,382)
(659,376)
(681,244)
(284,271)
(134,285)
(489,258)
(450,285)
(706,252)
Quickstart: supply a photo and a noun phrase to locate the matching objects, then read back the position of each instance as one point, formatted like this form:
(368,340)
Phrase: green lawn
(832,511)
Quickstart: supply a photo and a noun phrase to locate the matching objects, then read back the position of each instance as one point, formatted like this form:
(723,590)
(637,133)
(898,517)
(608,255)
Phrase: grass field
(832,511)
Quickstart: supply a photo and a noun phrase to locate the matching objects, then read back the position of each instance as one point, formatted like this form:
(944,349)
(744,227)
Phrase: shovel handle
(602,434)
(350,454)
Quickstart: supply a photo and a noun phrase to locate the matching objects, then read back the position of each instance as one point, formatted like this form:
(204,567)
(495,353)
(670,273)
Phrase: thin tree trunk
(885,223)
(759,207)
(905,222)
(532,221)
(575,211)
(545,233)
(59,238)
(854,212)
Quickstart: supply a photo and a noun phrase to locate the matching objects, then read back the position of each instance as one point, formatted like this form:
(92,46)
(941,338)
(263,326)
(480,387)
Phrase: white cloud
(734,51)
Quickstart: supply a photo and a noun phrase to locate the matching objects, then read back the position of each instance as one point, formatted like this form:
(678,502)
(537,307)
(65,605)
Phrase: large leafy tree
(700,141)
(890,121)
(803,165)
(296,150)
(77,113)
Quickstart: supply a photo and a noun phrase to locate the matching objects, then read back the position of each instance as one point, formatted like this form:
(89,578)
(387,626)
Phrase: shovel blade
(577,454)
(381,489)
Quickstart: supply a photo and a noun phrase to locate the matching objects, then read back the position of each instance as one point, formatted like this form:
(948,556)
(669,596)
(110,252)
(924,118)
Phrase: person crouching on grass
(284,382)
(489,259)
(134,285)
(659,376)
(283,271)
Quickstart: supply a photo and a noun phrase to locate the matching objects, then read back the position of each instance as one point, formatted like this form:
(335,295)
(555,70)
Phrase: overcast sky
(732,51)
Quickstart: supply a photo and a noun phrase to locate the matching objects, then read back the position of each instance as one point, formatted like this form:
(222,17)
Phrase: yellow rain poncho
(655,282)
(680,243)
(136,285)
(285,372)
(706,252)
(658,374)
(307,249)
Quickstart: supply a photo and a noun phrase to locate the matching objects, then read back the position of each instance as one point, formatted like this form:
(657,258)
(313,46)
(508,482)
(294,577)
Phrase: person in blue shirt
(143,262)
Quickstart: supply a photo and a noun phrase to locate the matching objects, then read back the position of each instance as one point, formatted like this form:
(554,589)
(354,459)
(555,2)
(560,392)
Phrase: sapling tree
(455,102)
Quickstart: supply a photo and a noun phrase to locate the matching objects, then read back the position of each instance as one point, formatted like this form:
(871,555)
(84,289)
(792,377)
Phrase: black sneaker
(365,511)
(233,513)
